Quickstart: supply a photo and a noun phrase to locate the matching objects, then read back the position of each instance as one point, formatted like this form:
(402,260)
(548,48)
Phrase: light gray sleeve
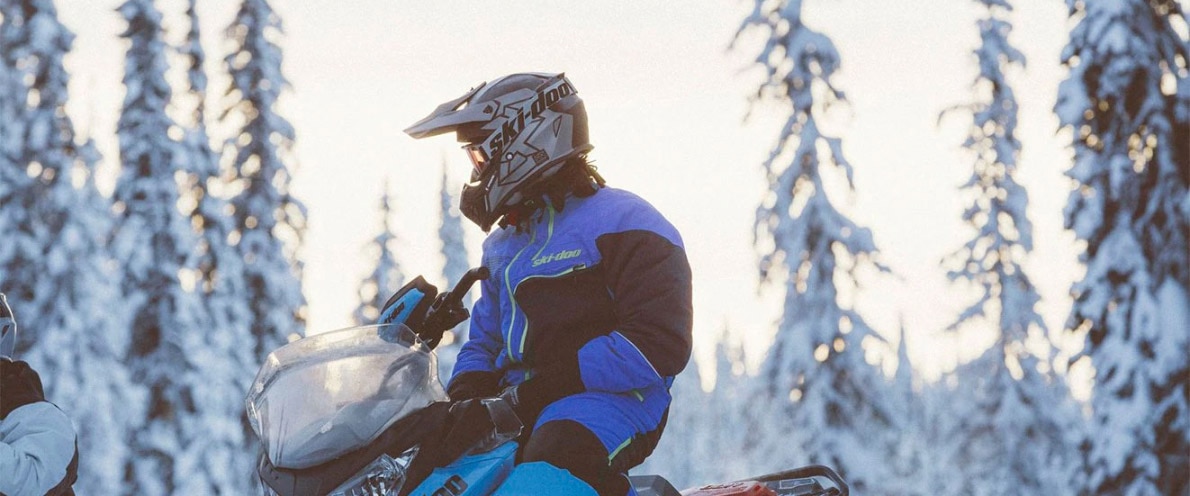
(36,445)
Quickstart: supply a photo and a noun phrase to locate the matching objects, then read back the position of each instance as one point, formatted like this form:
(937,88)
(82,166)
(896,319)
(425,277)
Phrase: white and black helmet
(520,130)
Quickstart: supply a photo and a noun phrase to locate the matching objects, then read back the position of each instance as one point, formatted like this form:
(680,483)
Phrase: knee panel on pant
(568,445)
(565,444)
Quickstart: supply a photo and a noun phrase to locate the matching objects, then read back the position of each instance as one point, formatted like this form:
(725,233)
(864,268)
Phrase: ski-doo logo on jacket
(562,255)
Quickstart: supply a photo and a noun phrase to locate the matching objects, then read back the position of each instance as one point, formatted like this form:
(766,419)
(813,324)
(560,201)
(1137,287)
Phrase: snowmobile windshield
(324,395)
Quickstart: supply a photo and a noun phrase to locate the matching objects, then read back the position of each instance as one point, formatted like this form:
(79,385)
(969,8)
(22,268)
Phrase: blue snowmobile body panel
(472,475)
(537,478)
(492,473)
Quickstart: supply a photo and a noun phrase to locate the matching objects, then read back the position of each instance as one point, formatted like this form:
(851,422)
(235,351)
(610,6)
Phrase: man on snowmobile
(587,315)
(38,453)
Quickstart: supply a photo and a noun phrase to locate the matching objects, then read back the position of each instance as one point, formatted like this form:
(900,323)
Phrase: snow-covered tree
(455,263)
(727,405)
(941,434)
(454,248)
(386,277)
(219,456)
(1011,426)
(903,380)
(19,250)
(12,99)
(154,244)
(269,220)
(54,224)
(817,387)
(908,447)
(681,454)
(1126,103)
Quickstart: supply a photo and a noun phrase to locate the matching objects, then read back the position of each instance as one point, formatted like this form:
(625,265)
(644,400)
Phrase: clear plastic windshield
(324,395)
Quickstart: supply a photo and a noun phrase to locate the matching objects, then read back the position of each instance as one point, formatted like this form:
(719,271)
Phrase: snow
(269,219)
(815,398)
(809,387)
(1015,414)
(1132,298)
(57,273)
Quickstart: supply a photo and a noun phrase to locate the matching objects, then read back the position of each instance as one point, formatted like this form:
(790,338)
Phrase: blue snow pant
(599,436)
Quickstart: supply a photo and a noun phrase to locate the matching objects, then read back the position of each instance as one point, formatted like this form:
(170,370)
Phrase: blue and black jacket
(595,296)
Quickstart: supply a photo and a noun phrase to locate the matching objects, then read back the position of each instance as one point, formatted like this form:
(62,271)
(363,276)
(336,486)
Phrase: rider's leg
(568,445)
(599,436)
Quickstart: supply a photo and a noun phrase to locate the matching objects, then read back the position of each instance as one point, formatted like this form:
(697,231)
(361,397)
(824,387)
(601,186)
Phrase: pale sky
(666,103)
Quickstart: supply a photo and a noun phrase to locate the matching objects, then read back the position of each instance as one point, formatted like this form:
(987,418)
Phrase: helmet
(519,131)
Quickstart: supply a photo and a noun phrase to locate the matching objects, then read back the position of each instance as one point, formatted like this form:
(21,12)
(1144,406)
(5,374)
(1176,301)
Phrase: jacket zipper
(511,293)
(512,290)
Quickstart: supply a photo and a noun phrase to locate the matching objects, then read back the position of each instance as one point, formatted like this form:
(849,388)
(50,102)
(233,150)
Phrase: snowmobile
(342,413)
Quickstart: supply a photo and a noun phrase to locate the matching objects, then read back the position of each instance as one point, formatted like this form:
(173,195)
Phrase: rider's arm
(475,371)
(649,279)
(36,447)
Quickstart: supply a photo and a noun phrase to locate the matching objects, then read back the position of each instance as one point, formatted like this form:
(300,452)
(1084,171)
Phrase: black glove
(467,423)
(19,386)
(549,384)
(475,384)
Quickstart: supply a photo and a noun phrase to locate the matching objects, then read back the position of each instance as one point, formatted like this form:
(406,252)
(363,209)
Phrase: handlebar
(455,295)
(447,309)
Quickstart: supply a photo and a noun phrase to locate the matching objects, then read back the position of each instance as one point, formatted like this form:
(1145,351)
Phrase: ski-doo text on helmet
(510,130)
(519,129)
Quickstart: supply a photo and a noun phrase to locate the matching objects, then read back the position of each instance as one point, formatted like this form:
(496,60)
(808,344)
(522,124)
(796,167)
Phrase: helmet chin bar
(473,206)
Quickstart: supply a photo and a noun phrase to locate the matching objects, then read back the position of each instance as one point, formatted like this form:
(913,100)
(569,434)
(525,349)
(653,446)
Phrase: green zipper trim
(512,294)
(549,235)
(618,449)
(641,397)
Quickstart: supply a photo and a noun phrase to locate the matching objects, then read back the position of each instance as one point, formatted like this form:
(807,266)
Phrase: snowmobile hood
(324,395)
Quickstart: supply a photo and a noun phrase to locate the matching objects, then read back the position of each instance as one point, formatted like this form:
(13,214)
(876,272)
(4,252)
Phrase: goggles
(479,159)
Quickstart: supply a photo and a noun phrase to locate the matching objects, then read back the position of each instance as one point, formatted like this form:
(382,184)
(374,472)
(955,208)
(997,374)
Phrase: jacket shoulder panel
(614,210)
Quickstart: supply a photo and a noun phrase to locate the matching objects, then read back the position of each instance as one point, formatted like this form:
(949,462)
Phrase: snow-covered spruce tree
(270,221)
(1013,424)
(1126,103)
(12,95)
(386,277)
(681,454)
(454,248)
(819,392)
(908,452)
(727,403)
(939,471)
(219,458)
(455,264)
(53,265)
(19,248)
(154,244)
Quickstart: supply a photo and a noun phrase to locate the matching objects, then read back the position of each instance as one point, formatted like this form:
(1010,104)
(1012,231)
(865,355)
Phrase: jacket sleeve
(649,278)
(484,341)
(36,447)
